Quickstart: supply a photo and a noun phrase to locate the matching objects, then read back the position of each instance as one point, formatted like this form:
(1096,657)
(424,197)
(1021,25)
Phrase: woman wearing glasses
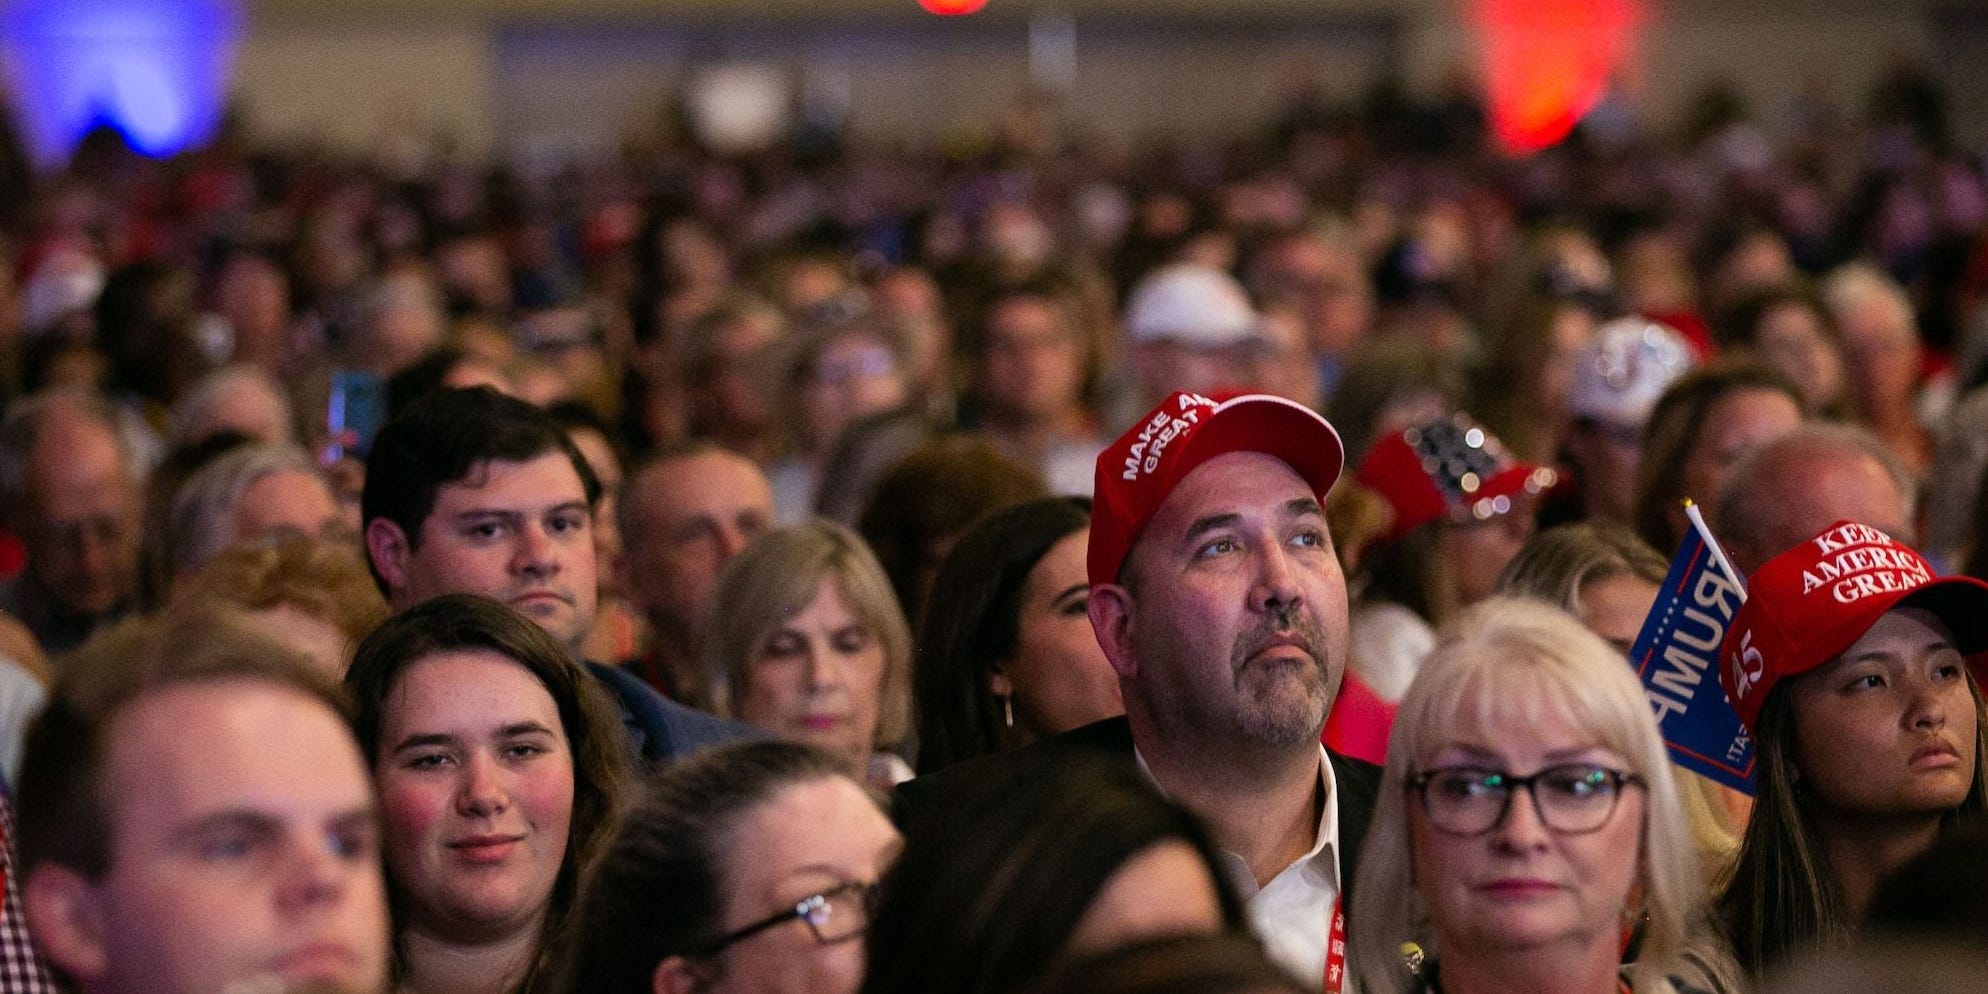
(500,764)
(749,869)
(1527,822)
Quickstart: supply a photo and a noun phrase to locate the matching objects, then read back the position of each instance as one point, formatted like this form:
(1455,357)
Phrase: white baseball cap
(1619,376)
(1194,305)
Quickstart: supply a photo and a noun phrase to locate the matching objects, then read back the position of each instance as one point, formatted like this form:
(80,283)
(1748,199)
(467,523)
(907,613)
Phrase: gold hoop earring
(1008,709)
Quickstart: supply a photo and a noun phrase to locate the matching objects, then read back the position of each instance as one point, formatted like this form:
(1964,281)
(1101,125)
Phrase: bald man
(1783,491)
(74,496)
(683,516)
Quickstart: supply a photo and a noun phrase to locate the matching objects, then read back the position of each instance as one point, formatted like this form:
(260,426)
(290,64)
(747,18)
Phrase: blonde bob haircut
(1515,663)
(776,577)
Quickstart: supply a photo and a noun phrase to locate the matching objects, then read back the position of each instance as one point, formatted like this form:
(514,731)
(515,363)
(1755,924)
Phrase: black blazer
(1358,784)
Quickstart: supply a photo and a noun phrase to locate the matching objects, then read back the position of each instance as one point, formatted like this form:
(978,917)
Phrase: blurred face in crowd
(406,322)
(1616,607)
(253,294)
(736,393)
(600,458)
(818,837)
(1479,550)
(1883,348)
(520,532)
(245,404)
(855,376)
(476,271)
(818,677)
(1606,456)
(244,852)
(1278,361)
(1792,337)
(1032,361)
(289,501)
(1887,729)
(691,253)
(476,779)
(83,517)
(1759,260)
(1057,679)
(1330,285)
(689,517)
(1572,330)
(1734,422)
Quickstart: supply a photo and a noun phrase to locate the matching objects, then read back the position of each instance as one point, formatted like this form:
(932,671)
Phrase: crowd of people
(1033,567)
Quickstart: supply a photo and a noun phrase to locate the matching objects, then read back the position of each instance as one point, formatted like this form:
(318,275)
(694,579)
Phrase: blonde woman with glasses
(1528,831)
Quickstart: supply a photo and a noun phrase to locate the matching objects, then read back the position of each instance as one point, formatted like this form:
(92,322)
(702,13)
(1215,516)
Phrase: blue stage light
(157,71)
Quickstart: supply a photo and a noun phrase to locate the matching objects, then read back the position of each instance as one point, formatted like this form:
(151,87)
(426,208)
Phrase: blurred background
(534,81)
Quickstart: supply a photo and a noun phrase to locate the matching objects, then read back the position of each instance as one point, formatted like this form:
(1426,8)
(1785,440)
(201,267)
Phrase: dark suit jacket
(1358,783)
(662,730)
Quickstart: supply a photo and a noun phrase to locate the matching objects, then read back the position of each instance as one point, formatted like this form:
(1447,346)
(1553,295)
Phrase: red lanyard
(1335,951)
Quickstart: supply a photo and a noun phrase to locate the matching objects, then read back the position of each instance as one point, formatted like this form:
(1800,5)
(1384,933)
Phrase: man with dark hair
(196,817)
(471,491)
(1218,600)
(684,515)
(73,494)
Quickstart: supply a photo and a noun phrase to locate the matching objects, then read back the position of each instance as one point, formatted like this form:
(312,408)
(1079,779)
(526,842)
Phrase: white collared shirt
(1292,913)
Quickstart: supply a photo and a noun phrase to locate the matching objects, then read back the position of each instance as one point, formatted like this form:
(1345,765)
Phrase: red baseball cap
(1138,470)
(1450,468)
(1807,605)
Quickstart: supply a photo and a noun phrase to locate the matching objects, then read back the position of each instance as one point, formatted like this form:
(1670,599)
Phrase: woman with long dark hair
(1857,672)
(1006,655)
(501,764)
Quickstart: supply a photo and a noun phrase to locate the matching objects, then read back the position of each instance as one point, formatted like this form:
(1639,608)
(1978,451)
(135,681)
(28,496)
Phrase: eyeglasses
(835,915)
(1571,799)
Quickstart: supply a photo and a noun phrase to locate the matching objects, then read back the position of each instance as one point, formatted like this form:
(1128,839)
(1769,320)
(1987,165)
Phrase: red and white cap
(1138,470)
(1807,605)
(1451,469)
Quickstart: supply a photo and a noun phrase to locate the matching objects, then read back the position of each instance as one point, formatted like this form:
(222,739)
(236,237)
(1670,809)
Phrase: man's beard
(1268,713)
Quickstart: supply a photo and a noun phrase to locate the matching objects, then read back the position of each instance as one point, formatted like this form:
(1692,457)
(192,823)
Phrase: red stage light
(1548,62)
(951,8)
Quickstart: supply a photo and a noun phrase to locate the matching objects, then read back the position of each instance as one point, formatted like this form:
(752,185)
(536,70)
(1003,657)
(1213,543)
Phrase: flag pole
(1712,544)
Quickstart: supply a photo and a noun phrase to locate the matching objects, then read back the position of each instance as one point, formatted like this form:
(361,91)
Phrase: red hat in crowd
(1807,605)
(1451,468)
(1137,472)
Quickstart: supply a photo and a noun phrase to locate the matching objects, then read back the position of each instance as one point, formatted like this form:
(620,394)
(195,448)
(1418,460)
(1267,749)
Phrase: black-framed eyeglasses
(834,915)
(1571,799)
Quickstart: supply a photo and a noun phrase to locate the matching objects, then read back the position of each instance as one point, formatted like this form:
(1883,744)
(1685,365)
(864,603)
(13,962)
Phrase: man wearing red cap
(1218,600)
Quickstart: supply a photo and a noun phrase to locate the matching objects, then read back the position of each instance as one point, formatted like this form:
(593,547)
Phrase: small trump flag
(1677,657)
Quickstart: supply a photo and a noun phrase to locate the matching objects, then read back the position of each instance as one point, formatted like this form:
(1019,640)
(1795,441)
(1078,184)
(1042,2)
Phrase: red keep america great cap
(1807,605)
(1138,470)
